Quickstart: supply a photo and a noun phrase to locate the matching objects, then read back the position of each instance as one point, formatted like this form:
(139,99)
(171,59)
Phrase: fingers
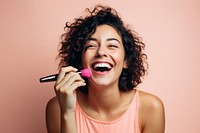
(69,90)
(68,80)
(64,71)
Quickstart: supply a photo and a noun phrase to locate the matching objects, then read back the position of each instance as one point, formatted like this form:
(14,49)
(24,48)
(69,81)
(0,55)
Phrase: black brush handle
(49,78)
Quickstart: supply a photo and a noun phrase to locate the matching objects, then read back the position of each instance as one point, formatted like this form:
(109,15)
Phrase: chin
(103,82)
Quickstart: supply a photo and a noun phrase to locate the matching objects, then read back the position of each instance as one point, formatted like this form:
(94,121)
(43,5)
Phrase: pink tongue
(86,73)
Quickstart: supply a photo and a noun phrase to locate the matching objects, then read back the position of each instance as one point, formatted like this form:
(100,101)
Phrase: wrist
(68,123)
(67,114)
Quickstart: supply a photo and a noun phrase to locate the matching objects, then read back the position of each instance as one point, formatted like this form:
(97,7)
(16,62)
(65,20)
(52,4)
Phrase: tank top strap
(137,125)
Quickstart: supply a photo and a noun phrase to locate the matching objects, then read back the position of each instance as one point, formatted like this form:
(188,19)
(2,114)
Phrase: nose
(101,52)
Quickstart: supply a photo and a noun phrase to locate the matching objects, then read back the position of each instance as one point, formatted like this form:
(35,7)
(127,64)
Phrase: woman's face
(104,55)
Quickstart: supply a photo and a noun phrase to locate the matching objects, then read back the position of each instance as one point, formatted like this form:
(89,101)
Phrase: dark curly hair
(77,33)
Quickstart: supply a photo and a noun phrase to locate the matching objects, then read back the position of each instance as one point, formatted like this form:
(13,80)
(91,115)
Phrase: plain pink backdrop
(29,36)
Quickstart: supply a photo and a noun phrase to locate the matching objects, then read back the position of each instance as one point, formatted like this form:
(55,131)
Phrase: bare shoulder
(52,109)
(149,101)
(52,104)
(151,113)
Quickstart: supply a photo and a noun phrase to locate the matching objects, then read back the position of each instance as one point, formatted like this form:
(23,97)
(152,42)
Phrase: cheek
(86,57)
(118,56)
(84,61)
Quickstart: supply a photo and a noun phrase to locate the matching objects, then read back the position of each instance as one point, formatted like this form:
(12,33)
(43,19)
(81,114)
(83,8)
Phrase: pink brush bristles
(85,73)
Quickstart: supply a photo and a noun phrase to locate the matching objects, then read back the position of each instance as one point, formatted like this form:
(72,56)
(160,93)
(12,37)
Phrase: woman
(108,101)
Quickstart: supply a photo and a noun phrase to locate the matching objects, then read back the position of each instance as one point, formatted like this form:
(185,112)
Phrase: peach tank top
(127,123)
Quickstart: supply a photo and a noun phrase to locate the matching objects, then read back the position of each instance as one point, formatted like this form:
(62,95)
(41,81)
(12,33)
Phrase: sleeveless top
(127,123)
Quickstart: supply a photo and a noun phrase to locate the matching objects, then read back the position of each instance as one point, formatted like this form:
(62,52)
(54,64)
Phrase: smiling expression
(104,55)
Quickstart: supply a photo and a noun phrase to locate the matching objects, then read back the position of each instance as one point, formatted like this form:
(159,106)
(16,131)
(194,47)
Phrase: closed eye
(113,46)
(113,43)
(90,46)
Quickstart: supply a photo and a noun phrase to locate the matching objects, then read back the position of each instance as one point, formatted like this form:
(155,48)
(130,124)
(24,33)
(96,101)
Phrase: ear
(125,64)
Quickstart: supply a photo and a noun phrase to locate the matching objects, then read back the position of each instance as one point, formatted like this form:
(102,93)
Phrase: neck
(104,99)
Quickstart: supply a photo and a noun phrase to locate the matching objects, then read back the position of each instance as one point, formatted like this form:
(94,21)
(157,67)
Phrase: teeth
(102,65)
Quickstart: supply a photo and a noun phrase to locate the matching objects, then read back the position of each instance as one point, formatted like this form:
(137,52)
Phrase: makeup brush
(84,73)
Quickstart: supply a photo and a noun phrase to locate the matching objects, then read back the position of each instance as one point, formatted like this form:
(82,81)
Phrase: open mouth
(101,67)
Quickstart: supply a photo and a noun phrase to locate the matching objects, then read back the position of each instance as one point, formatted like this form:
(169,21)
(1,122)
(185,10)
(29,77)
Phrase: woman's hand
(65,87)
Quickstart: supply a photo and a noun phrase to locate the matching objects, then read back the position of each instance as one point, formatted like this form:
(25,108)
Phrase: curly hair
(82,28)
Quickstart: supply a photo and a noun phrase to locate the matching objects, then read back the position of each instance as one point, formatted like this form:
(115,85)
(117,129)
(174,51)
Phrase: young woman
(108,101)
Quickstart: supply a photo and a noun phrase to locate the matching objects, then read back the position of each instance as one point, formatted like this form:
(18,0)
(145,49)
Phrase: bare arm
(152,114)
(55,121)
(53,116)
(60,110)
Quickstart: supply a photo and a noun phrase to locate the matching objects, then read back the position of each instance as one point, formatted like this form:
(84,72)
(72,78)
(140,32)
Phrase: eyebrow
(109,39)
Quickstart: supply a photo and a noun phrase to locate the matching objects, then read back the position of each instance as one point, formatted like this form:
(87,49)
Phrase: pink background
(29,35)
